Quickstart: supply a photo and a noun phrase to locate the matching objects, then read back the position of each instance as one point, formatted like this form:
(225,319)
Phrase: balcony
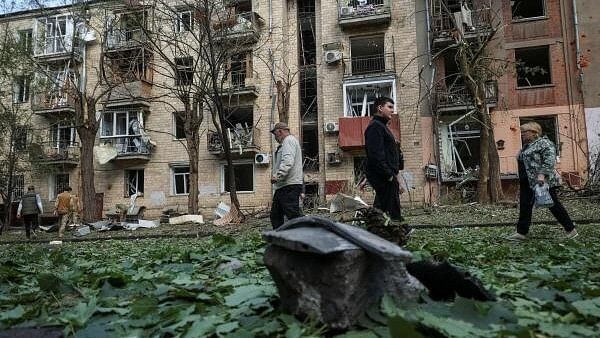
(240,84)
(242,28)
(52,102)
(356,13)
(130,93)
(58,48)
(370,65)
(120,39)
(56,153)
(469,23)
(352,131)
(242,141)
(458,97)
(134,147)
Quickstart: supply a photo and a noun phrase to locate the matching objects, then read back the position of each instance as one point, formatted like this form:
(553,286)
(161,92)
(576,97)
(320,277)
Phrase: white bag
(542,196)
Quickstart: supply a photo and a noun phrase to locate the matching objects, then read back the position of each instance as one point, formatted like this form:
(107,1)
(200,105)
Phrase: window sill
(535,18)
(179,195)
(537,87)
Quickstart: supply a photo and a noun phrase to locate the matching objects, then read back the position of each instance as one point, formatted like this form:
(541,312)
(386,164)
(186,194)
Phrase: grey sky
(10,6)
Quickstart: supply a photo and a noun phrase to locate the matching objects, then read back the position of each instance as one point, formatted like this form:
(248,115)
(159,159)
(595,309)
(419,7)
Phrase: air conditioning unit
(332,56)
(344,11)
(334,158)
(261,158)
(331,127)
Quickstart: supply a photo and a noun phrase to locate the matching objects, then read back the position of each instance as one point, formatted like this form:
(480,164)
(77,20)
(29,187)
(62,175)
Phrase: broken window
(132,65)
(178,125)
(310,148)
(57,184)
(21,89)
(359,168)
(460,144)
(184,22)
(359,98)
(56,32)
(134,181)
(533,66)
(181,180)
(121,123)
(184,74)
(524,9)
(240,67)
(131,26)
(244,177)
(62,135)
(367,55)
(549,128)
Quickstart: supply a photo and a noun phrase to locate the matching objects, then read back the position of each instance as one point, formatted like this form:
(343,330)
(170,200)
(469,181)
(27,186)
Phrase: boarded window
(533,66)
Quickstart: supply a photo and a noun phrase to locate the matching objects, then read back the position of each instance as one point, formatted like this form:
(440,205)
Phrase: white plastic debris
(222,209)
(55,242)
(142,223)
(186,219)
(343,202)
(82,231)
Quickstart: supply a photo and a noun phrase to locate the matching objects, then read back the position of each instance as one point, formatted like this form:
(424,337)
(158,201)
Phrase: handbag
(542,196)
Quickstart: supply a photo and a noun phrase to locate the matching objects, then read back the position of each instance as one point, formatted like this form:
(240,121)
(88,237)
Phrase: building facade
(340,56)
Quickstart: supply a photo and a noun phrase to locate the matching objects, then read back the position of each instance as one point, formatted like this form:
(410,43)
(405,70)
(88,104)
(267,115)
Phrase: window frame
(53,190)
(186,180)
(183,68)
(346,85)
(126,181)
(180,23)
(21,89)
(240,162)
(114,113)
(55,130)
(531,18)
(551,83)
(175,118)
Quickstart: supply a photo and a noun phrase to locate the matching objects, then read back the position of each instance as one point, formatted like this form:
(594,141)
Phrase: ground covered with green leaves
(188,287)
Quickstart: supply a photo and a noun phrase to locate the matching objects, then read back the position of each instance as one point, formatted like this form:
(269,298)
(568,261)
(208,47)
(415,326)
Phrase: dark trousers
(31,222)
(286,202)
(387,198)
(526,202)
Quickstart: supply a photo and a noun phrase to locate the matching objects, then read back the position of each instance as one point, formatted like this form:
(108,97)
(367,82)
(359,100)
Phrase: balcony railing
(136,90)
(460,96)
(126,38)
(469,22)
(370,64)
(240,84)
(241,140)
(243,27)
(54,100)
(360,12)
(129,146)
(57,152)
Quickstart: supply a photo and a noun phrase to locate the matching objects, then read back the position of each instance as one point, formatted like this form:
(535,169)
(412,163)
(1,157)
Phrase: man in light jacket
(287,177)
(30,207)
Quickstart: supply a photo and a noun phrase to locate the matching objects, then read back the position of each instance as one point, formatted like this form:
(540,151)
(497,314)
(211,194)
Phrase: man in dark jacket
(30,207)
(384,160)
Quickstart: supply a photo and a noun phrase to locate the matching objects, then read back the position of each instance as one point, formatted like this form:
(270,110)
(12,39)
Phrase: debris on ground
(186,219)
(342,202)
(82,231)
(49,228)
(222,209)
(142,223)
(55,242)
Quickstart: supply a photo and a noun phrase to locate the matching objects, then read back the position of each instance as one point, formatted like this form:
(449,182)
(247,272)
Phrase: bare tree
(85,24)
(202,48)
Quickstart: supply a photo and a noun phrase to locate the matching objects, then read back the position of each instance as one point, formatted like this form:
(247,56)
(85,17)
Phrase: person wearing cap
(287,177)
(536,163)
(30,207)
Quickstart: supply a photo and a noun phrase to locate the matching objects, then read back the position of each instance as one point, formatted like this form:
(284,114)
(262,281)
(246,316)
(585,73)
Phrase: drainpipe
(428,22)
(577,42)
(270,17)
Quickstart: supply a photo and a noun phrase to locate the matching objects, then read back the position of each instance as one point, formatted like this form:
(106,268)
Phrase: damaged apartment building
(539,83)
(341,55)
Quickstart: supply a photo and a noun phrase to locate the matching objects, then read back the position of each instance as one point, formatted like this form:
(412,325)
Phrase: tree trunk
(495,187)
(88,189)
(483,196)
(193,141)
(283,101)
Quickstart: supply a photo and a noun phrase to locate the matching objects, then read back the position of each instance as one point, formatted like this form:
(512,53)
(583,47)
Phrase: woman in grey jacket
(536,166)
